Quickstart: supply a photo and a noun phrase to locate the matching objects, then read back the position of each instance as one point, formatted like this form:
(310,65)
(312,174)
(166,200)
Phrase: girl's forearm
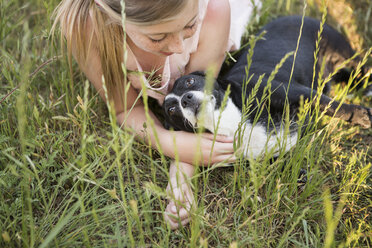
(183,146)
(152,133)
(181,168)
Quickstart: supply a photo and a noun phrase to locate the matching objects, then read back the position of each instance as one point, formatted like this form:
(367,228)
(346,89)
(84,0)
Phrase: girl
(164,39)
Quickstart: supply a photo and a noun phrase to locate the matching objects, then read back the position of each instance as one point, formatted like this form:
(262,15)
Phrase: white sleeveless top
(175,64)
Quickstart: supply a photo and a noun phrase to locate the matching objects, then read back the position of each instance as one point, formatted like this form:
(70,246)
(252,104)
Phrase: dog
(258,107)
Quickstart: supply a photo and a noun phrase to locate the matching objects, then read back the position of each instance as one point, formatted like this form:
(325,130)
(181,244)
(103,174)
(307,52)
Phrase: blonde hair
(107,30)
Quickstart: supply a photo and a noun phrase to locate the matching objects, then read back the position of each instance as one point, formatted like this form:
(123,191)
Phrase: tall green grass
(71,177)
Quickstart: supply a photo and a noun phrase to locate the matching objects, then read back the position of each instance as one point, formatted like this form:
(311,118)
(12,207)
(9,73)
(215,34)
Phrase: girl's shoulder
(217,11)
(216,17)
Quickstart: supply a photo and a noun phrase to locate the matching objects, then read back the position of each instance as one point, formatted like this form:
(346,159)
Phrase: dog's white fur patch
(256,141)
(171,95)
(186,112)
(228,120)
(369,93)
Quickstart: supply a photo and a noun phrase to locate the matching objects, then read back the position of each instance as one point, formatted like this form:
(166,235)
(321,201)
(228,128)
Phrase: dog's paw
(362,116)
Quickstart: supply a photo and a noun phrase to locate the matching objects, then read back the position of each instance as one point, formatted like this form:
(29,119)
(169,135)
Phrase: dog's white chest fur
(255,140)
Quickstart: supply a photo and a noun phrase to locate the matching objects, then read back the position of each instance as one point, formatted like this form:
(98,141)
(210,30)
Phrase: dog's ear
(166,125)
(198,73)
(169,126)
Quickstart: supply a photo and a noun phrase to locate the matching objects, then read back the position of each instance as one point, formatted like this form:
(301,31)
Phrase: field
(70,177)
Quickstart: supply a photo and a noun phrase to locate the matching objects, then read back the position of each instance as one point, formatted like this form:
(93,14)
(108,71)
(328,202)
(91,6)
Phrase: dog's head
(183,105)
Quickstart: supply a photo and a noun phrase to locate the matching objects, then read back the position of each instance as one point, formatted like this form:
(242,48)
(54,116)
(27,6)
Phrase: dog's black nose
(187,100)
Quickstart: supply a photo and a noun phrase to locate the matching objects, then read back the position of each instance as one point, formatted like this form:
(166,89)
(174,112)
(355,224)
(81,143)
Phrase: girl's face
(166,38)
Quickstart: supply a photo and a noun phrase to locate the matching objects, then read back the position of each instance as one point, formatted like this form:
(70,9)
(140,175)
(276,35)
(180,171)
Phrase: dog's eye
(171,110)
(190,82)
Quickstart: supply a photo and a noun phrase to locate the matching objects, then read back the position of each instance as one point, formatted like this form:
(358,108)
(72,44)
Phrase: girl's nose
(176,45)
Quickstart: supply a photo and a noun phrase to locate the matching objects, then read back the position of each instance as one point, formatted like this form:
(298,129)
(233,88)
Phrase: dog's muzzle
(190,101)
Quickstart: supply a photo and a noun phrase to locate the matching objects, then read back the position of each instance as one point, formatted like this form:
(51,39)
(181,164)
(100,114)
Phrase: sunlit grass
(70,177)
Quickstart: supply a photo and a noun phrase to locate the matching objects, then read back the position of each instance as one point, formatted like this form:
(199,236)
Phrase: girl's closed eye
(191,26)
(190,29)
(156,39)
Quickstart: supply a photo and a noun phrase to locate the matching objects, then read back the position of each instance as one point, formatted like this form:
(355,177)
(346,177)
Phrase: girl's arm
(187,146)
(213,39)
(181,144)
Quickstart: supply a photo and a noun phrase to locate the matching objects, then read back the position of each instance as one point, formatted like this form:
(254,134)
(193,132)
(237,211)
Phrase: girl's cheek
(145,44)
(152,45)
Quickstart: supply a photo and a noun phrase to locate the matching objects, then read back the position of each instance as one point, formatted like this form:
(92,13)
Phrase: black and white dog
(263,126)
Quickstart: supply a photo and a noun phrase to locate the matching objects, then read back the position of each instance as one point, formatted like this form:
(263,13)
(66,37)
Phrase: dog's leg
(344,74)
(354,114)
(336,49)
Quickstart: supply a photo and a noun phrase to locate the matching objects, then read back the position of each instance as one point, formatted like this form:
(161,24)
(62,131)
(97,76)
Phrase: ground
(70,177)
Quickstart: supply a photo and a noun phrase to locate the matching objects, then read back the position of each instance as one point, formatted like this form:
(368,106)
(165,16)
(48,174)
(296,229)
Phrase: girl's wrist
(168,144)
(181,168)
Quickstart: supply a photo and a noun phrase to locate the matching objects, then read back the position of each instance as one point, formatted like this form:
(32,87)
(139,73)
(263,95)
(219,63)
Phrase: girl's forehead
(188,15)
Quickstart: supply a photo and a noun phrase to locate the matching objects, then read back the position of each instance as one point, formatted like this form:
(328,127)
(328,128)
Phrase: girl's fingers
(175,224)
(174,214)
(182,211)
(180,204)
(183,214)
(223,148)
(229,158)
(219,138)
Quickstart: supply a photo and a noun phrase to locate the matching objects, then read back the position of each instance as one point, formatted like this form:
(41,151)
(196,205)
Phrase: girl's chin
(166,54)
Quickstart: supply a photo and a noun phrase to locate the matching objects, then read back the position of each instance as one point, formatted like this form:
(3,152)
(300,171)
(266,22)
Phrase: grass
(69,177)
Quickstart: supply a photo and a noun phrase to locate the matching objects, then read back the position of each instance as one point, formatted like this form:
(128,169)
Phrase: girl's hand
(192,148)
(180,195)
(181,200)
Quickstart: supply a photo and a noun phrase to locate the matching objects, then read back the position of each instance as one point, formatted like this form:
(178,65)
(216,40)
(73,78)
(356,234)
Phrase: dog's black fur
(182,106)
